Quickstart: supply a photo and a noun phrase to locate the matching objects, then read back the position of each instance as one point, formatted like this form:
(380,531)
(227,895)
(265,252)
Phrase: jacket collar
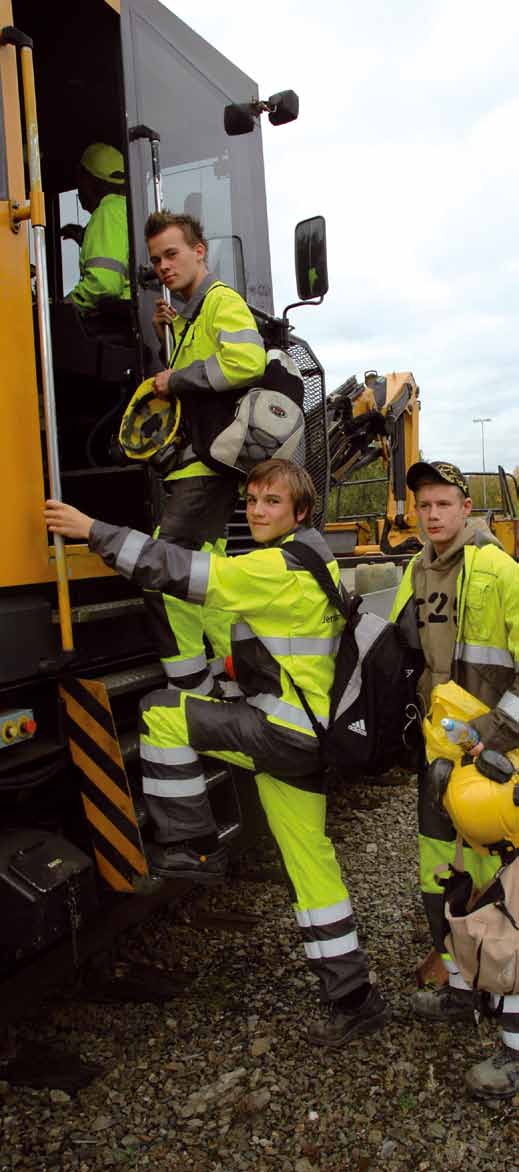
(189,309)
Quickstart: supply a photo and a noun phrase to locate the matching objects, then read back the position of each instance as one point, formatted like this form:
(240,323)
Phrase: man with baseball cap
(103,259)
(462,575)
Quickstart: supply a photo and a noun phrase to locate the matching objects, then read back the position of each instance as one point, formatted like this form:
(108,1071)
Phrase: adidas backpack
(374,720)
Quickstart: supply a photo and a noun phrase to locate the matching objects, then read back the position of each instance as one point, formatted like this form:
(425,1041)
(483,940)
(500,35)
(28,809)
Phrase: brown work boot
(496,1077)
(446,1004)
(343,1023)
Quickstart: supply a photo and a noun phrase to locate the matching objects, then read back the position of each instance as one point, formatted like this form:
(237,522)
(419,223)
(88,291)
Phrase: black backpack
(374,720)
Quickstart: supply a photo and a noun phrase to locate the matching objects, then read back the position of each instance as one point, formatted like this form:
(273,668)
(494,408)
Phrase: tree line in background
(365,493)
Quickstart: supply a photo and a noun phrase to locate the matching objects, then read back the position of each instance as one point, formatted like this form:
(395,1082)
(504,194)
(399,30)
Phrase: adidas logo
(358,726)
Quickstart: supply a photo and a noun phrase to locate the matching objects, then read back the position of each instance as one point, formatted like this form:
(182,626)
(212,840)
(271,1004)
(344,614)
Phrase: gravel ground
(221,1079)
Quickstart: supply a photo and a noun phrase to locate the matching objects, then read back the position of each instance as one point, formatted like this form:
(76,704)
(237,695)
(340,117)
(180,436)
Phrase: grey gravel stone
(222,1079)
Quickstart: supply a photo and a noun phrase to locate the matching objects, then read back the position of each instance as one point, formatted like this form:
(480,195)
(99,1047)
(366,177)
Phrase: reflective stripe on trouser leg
(173,778)
(509,1021)
(456,981)
(198,505)
(323,909)
(437,847)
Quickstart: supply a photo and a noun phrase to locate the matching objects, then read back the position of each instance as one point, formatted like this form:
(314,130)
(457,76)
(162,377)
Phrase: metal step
(134,679)
(97,612)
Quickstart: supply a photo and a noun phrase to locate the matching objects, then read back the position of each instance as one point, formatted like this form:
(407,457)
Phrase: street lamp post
(482,422)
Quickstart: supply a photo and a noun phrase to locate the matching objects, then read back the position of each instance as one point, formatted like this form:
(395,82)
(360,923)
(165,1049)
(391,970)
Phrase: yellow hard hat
(149,427)
(482,800)
(104,162)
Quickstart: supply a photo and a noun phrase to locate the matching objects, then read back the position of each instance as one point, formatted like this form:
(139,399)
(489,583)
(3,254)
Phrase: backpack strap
(347,607)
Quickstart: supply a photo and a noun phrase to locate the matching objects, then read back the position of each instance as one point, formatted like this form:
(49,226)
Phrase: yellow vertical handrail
(36,213)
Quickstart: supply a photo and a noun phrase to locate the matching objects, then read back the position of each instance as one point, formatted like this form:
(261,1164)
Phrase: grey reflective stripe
(216,666)
(510,1003)
(318,917)
(191,788)
(183,667)
(250,337)
(241,631)
(300,645)
(284,711)
(215,375)
(510,1039)
(295,645)
(130,552)
(199,576)
(106,262)
(203,689)
(509,704)
(366,631)
(321,949)
(474,653)
(182,755)
(456,981)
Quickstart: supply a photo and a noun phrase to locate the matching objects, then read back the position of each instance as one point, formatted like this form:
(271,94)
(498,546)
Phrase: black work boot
(496,1077)
(179,860)
(345,1021)
(446,1004)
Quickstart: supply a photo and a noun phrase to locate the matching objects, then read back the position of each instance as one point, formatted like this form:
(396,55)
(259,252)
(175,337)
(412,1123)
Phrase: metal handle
(153,136)
(36,213)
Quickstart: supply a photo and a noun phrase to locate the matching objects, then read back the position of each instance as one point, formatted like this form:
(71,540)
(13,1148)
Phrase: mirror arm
(296,304)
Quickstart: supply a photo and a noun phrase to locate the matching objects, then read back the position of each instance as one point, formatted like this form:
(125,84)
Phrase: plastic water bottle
(460,733)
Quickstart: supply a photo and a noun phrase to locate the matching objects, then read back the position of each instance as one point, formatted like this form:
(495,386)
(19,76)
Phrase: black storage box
(46,885)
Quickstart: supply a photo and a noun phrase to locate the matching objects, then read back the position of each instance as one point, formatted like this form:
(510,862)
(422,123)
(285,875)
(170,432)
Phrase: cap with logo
(104,162)
(437,472)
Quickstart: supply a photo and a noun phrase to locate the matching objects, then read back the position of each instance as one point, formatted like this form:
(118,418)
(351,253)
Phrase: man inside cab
(459,601)
(287,632)
(103,257)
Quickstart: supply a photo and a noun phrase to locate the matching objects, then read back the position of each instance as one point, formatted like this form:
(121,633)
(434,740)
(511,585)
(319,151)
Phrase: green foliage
(353,499)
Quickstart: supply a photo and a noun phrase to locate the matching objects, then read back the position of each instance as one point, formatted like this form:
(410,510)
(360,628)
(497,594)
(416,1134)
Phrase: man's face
(442,510)
(270,510)
(179,266)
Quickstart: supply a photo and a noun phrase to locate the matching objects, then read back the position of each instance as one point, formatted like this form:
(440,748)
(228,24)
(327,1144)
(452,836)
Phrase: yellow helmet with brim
(149,429)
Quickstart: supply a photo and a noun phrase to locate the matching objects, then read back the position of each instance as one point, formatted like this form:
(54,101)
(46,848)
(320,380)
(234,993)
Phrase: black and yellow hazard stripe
(106,795)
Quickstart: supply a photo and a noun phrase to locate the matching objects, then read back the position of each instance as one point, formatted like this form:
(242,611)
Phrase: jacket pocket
(479,608)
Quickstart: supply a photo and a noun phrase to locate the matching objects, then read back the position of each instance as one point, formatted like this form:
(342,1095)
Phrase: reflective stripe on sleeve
(322,949)
(130,552)
(509,704)
(492,656)
(215,375)
(105,262)
(161,788)
(250,337)
(199,576)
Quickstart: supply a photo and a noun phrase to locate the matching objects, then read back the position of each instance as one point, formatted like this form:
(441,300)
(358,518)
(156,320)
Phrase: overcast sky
(407,142)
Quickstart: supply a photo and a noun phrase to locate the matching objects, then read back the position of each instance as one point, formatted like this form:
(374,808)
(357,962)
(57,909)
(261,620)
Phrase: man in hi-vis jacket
(216,351)
(286,631)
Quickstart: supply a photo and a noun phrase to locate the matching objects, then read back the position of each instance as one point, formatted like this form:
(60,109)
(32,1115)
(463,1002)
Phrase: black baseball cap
(437,471)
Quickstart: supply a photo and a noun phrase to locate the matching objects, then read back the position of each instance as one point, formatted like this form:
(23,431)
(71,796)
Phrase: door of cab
(24,540)
(177,85)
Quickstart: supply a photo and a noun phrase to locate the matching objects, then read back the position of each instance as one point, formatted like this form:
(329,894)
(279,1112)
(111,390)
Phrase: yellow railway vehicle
(75,653)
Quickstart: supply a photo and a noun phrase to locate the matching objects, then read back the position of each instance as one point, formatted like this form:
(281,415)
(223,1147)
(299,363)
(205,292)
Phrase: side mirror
(311,259)
(241,117)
